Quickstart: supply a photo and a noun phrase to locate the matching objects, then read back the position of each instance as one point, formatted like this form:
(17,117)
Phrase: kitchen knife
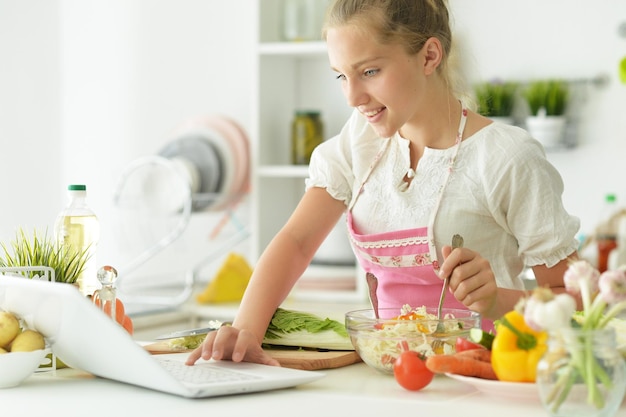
(213,325)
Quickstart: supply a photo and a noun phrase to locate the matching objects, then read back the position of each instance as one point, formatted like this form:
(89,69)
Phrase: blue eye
(370,72)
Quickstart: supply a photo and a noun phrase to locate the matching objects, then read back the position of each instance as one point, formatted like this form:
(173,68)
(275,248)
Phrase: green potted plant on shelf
(496,100)
(547,103)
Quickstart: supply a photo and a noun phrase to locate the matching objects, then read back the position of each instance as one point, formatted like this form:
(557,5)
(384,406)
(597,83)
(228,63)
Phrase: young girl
(412,167)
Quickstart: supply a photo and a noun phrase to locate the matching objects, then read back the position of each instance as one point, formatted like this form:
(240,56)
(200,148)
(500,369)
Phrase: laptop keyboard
(201,373)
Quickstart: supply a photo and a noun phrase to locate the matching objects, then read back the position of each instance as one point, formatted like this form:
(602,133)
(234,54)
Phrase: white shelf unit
(290,76)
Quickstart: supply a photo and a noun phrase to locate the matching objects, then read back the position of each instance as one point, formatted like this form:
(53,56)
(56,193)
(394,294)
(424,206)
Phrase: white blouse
(503,196)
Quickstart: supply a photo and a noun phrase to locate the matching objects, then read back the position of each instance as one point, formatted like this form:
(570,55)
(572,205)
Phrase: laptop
(84,338)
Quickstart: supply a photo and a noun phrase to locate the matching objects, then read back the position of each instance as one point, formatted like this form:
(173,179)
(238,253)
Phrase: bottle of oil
(78,227)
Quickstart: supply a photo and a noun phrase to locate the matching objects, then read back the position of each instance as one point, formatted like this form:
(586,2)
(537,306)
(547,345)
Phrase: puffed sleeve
(330,169)
(526,197)
(332,162)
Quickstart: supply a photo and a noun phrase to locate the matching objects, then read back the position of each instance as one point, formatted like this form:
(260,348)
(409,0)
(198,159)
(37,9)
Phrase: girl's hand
(472,281)
(230,343)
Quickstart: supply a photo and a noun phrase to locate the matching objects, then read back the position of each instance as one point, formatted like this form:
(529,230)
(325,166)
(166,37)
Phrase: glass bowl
(378,341)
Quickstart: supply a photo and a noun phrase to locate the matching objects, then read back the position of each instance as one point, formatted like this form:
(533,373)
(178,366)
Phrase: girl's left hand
(472,281)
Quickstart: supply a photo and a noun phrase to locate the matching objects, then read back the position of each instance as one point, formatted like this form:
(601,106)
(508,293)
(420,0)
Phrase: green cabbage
(290,328)
(187,342)
(296,328)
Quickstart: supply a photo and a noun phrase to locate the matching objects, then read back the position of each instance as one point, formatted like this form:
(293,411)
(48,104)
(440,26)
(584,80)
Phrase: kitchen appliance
(203,168)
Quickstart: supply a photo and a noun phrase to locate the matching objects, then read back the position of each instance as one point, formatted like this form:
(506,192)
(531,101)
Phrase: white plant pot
(549,130)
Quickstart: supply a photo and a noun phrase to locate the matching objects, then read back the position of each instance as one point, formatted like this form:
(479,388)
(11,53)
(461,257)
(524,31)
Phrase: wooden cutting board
(309,360)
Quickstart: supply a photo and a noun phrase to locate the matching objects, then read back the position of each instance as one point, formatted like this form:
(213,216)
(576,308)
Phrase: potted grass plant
(42,250)
(547,103)
(496,100)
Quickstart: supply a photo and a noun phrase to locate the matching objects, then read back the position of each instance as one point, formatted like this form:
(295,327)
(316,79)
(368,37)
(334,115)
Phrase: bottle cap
(77,187)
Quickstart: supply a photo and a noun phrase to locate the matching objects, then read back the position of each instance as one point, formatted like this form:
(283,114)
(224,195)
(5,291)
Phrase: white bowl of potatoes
(22,350)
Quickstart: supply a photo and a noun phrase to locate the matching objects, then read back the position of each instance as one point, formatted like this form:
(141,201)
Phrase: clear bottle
(606,232)
(78,227)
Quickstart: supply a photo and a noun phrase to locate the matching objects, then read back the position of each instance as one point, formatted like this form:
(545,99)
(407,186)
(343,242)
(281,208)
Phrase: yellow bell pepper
(516,349)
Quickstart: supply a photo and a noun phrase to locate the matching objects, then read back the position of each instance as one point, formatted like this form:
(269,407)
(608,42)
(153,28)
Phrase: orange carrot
(460,365)
(483,355)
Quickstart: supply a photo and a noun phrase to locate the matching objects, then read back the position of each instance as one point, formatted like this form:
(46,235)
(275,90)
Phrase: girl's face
(382,81)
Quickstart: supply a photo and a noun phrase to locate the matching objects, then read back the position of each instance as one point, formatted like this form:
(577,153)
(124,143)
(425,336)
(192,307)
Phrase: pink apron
(401,266)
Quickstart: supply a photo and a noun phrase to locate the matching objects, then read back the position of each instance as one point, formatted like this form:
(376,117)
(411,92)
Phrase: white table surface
(355,390)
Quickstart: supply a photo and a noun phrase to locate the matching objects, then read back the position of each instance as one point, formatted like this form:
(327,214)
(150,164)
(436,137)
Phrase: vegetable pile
(511,354)
(472,357)
(520,341)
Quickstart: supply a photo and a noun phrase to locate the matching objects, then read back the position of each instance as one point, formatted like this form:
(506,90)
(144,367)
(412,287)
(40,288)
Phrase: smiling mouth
(372,113)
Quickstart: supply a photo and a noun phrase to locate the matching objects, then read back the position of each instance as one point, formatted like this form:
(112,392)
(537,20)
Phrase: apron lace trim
(391,243)
(398,261)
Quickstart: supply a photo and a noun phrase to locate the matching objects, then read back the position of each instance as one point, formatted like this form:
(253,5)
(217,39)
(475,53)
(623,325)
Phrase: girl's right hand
(230,343)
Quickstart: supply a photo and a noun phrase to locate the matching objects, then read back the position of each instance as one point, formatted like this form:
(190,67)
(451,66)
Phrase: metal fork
(457,242)
(440,335)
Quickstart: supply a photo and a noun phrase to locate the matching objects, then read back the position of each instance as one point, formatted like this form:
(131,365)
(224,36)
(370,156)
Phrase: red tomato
(464,344)
(410,371)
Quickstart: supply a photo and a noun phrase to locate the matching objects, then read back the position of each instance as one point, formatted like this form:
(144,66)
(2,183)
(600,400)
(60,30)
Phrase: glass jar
(302,20)
(582,374)
(307,131)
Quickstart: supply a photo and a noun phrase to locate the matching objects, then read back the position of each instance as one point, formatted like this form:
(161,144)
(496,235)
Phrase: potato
(9,328)
(27,341)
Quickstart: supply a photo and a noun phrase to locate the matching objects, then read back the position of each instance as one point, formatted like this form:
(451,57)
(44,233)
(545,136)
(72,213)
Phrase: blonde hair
(405,22)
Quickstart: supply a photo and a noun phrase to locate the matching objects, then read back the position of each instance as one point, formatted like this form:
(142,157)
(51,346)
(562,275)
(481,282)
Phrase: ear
(433,54)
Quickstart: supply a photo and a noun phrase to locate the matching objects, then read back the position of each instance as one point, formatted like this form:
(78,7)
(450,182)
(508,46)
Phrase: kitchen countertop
(357,388)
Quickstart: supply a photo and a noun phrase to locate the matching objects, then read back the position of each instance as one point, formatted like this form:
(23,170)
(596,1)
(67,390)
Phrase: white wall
(90,85)
(132,72)
(86,86)
(30,113)
(571,39)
